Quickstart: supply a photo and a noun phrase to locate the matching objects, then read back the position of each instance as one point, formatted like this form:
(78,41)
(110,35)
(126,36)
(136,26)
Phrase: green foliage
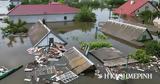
(148,16)
(35,1)
(61,1)
(11,6)
(87,3)
(14,28)
(141,56)
(101,37)
(115,3)
(153,48)
(85,15)
(96,44)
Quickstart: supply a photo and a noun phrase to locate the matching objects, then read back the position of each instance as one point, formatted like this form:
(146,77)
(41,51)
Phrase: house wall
(48,18)
(45,41)
(143,8)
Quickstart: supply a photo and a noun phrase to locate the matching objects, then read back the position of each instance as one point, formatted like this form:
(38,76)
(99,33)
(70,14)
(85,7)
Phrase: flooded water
(13,49)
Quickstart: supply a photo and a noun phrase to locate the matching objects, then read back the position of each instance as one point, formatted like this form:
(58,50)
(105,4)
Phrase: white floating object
(140,69)
(28,70)
(26,79)
(37,80)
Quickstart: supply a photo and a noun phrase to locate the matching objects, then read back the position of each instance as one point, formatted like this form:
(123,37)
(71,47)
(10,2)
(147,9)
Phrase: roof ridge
(13,9)
(140,27)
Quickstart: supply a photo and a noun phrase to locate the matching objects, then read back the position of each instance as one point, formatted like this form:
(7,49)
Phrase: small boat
(4,72)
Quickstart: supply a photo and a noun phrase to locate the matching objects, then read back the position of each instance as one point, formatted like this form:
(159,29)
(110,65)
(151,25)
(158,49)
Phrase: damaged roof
(77,61)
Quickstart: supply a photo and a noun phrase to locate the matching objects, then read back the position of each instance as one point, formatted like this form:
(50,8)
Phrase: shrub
(85,15)
(153,48)
(101,37)
(141,56)
(96,44)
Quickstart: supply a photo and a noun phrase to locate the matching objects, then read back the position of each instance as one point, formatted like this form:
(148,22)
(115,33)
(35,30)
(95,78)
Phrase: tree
(85,15)
(11,6)
(14,28)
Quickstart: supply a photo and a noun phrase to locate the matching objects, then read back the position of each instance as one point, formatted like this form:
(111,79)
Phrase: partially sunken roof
(40,31)
(77,61)
(127,32)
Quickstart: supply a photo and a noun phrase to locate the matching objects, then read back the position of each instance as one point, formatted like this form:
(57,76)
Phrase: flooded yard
(13,49)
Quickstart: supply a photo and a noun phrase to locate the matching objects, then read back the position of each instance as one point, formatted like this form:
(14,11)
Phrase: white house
(134,7)
(15,2)
(52,12)
(40,35)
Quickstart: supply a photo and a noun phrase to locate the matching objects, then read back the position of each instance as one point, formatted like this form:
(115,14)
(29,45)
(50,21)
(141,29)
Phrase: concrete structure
(127,32)
(134,7)
(15,2)
(40,35)
(52,12)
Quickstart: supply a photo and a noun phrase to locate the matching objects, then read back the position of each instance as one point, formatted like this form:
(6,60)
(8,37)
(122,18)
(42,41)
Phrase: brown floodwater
(13,49)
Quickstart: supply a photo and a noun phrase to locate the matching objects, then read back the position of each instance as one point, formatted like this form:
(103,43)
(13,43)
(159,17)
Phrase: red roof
(52,8)
(128,8)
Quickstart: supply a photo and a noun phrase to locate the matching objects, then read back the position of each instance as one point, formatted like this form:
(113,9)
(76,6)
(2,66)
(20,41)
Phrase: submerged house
(52,12)
(41,35)
(156,22)
(127,32)
(77,61)
(134,7)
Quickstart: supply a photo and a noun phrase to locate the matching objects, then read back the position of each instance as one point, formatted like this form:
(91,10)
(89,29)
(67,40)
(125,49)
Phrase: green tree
(11,6)
(14,28)
(85,15)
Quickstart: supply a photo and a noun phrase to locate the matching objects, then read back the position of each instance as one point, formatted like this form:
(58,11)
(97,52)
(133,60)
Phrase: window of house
(65,17)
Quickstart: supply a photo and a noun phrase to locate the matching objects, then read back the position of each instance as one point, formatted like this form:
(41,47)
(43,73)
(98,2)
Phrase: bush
(141,56)
(101,37)
(85,15)
(96,44)
(148,16)
(14,28)
(153,48)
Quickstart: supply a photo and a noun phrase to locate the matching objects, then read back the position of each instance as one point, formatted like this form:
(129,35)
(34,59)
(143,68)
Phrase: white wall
(150,7)
(45,41)
(49,18)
